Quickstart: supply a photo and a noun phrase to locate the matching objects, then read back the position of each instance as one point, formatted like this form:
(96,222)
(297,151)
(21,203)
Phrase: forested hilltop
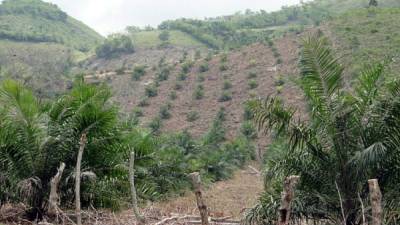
(288,117)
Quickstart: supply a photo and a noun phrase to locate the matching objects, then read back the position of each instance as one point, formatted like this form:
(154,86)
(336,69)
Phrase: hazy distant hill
(37,21)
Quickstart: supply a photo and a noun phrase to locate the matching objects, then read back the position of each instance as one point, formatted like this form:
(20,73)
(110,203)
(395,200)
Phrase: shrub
(221,114)
(279,89)
(198,92)
(155,124)
(248,130)
(138,72)
(178,86)
(252,75)
(192,116)
(172,95)
(204,68)
(200,78)
(164,35)
(114,46)
(227,85)
(151,91)
(279,81)
(224,58)
(138,112)
(217,132)
(182,76)
(247,112)
(144,102)
(252,63)
(120,71)
(252,84)
(223,67)
(164,112)
(197,55)
(184,57)
(226,96)
(279,61)
(209,57)
(163,74)
(187,66)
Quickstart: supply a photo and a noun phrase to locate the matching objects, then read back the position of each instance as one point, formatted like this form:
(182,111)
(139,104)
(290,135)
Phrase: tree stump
(287,198)
(196,181)
(376,201)
(54,198)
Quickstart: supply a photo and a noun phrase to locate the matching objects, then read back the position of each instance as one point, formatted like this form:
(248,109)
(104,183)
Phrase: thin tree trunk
(376,201)
(287,198)
(140,219)
(54,198)
(82,145)
(196,181)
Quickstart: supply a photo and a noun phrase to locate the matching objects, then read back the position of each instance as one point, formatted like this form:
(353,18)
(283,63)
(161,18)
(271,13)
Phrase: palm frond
(321,75)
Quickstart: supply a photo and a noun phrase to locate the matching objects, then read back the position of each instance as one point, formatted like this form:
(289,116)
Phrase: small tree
(164,36)
(373,3)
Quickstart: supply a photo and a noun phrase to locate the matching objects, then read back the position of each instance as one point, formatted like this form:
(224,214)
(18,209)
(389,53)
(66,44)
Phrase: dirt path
(224,199)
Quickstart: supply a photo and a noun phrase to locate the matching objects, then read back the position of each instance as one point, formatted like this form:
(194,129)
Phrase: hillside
(40,44)
(233,31)
(256,70)
(37,21)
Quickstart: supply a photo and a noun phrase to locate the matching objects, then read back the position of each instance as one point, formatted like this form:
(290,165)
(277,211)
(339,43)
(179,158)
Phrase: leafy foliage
(352,136)
(114,46)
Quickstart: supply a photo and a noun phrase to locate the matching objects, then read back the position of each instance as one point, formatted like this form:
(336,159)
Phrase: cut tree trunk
(196,181)
(82,145)
(140,219)
(54,198)
(376,201)
(287,198)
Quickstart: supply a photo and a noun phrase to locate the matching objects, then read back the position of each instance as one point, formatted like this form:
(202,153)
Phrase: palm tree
(27,156)
(350,136)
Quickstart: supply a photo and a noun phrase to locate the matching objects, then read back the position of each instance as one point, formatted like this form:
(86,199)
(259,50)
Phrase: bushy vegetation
(114,46)
(31,157)
(198,92)
(225,96)
(204,67)
(227,85)
(138,72)
(192,116)
(151,91)
(165,112)
(351,136)
(163,74)
(252,84)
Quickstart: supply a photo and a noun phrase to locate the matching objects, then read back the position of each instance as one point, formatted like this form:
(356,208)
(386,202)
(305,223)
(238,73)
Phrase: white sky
(107,16)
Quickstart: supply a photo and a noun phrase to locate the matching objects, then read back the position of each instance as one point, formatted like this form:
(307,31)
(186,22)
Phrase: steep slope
(256,70)
(367,35)
(37,21)
(40,44)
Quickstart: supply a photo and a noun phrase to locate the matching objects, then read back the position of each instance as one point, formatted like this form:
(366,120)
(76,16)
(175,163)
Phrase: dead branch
(140,219)
(82,145)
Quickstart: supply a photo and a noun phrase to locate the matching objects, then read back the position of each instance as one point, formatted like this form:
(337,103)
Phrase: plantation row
(37,136)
